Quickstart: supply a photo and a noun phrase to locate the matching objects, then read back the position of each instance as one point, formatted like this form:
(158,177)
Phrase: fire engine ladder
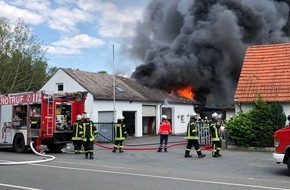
(50,122)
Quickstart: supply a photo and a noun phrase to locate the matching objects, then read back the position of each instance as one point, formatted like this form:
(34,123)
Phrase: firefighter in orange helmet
(164,132)
(77,135)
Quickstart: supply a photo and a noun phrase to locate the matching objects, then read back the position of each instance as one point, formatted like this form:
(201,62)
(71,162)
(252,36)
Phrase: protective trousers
(195,143)
(120,144)
(163,138)
(89,149)
(216,147)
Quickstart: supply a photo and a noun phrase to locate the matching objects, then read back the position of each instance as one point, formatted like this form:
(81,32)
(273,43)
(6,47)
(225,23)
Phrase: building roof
(265,72)
(100,85)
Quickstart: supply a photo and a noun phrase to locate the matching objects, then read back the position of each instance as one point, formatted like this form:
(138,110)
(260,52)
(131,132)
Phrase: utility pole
(114,87)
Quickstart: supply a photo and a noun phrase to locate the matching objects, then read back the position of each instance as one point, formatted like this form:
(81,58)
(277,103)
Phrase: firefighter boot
(114,150)
(200,155)
(91,155)
(86,155)
(215,155)
(218,153)
(159,149)
(186,155)
(121,150)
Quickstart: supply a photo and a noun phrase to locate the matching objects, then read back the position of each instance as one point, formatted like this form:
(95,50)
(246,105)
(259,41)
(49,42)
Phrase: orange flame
(186,92)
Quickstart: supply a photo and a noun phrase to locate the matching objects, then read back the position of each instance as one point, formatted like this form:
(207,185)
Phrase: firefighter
(192,137)
(120,134)
(164,132)
(77,135)
(215,135)
(89,133)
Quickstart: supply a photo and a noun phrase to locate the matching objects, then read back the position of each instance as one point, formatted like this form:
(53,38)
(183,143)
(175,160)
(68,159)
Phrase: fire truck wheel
(19,144)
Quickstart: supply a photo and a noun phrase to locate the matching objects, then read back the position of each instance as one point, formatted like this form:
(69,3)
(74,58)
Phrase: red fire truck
(282,146)
(39,117)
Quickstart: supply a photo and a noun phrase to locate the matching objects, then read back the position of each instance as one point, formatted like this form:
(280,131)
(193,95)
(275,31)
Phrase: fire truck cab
(39,117)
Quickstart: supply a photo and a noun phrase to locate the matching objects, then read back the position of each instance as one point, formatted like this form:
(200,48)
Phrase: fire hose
(50,158)
(145,146)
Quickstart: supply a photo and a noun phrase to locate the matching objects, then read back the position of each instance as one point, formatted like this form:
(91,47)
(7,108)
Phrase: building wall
(180,117)
(180,113)
(120,106)
(249,106)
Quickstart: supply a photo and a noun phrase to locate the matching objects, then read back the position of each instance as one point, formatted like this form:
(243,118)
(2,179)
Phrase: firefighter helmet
(121,117)
(86,116)
(193,114)
(164,116)
(214,115)
(79,117)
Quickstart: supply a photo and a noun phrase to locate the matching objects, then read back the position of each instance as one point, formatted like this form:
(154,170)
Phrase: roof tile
(265,71)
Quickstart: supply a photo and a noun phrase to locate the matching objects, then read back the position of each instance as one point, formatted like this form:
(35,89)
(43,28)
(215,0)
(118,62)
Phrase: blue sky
(80,34)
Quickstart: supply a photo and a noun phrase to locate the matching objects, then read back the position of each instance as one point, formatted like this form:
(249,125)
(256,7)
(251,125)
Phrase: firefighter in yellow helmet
(77,136)
(192,137)
(89,133)
(120,134)
(215,135)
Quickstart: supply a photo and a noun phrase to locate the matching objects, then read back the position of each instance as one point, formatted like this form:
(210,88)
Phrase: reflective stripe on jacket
(119,132)
(214,132)
(89,131)
(77,130)
(164,128)
(192,131)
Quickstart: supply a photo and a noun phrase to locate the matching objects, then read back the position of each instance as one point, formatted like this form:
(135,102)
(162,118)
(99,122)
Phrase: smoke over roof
(202,43)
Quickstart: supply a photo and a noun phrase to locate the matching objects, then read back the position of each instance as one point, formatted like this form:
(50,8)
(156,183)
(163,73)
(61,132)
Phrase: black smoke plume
(202,43)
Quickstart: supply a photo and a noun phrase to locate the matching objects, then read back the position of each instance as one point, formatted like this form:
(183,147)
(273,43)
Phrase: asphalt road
(143,170)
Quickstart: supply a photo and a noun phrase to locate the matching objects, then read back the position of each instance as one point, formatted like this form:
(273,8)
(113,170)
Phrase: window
(59,87)
(119,89)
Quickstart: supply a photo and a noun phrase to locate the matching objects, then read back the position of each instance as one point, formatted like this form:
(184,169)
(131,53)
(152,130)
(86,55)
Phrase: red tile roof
(265,71)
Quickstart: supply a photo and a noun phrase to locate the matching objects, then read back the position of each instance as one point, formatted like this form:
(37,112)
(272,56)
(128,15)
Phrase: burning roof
(201,44)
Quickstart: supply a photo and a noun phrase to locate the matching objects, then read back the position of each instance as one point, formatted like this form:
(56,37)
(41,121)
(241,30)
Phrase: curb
(254,149)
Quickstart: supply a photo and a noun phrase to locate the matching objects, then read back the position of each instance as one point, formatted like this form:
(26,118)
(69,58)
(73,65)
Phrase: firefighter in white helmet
(120,134)
(192,137)
(77,136)
(89,133)
(215,135)
(164,131)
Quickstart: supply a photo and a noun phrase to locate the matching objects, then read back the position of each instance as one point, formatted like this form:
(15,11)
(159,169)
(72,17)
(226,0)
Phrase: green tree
(256,127)
(23,66)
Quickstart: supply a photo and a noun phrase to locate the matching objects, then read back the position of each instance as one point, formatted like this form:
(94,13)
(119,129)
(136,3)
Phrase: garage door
(148,111)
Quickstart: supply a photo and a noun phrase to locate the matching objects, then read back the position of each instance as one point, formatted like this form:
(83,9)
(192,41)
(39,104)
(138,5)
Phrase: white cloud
(74,45)
(80,41)
(66,20)
(13,13)
(113,21)
(57,50)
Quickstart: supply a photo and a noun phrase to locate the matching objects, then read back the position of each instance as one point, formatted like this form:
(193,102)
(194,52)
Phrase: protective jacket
(89,131)
(77,130)
(164,128)
(192,130)
(214,131)
(120,132)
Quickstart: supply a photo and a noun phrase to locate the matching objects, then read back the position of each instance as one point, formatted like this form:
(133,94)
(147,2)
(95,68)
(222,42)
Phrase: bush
(256,127)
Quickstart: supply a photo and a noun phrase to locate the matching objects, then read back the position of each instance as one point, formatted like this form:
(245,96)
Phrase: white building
(142,107)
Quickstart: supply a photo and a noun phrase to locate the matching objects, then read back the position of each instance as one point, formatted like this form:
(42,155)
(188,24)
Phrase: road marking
(164,177)
(18,187)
